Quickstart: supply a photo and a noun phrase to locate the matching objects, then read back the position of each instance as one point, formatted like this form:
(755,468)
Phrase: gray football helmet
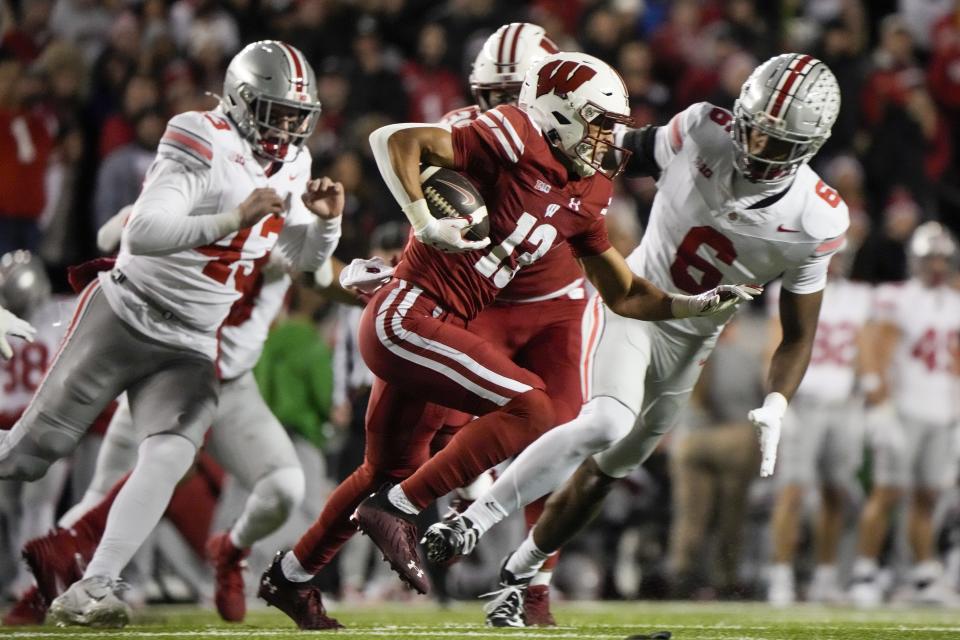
(270,92)
(783,116)
(932,253)
(24,285)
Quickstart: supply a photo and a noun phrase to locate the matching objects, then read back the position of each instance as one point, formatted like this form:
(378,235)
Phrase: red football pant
(544,337)
(424,357)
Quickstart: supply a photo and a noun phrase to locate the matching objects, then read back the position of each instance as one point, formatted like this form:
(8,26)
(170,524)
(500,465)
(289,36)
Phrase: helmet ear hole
(562,119)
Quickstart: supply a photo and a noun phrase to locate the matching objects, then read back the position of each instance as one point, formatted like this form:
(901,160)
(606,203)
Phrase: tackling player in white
(736,202)
(227,187)
(822,442)
(911,379)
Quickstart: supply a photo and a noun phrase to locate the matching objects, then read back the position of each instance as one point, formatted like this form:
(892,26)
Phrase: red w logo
(562,77)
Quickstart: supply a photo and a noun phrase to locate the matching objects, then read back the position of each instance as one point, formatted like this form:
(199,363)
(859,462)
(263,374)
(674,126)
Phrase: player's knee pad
(283,489)
(28,450)
(604,421)
(172,452)
(536,408)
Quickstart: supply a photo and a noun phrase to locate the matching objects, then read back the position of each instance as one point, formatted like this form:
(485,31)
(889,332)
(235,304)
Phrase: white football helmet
(503,61)
(576,100)
(791,101)
(270,93)
(24,284)
(932,253)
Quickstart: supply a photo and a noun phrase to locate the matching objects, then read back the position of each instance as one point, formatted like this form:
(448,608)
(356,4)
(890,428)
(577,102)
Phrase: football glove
(768,421)
(14,326)
(366,276)
(444,234)
(713,301)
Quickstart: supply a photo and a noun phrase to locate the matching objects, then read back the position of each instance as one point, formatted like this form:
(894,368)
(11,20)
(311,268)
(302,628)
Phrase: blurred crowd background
(86,87)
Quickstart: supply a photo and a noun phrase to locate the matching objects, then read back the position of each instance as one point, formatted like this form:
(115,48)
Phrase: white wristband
(418,213)
(776,401)
(870,382)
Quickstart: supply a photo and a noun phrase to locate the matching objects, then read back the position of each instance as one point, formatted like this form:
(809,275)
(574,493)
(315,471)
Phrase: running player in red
(544,172)
(536,320)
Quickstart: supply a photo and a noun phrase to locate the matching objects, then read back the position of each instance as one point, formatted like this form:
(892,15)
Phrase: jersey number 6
(688,261)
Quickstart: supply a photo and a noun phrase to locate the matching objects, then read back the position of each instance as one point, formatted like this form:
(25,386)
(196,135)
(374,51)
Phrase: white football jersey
(21,375)
(923,376)
(832,372)
(199,286)
(241,344)
(710,226)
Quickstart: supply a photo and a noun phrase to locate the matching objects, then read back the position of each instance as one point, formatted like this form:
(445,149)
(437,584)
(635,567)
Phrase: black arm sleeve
(642,160)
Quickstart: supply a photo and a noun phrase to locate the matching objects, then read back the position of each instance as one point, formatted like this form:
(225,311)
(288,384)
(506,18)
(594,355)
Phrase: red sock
(483,443)
(90,527)
(317,547)
(532,513)
(191,510)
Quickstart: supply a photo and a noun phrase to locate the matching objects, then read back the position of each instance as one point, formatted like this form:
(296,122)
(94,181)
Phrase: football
(450,194)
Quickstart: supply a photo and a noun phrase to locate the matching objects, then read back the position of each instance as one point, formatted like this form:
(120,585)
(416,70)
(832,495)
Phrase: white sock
(272,499)
(162,462)
(865,568)
(527,559)
(542,578)
(399,499)
(293,570)
(485,513)
(552,458)
(825,573)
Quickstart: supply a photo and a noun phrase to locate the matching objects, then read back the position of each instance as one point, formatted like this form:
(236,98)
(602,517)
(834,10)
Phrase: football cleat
(57,560)
(506,607)
(865,592)
(452,537)
(228,565)
(301,601)
(30,609)
(395,534)
(91,602)
(780,586)
(536,607)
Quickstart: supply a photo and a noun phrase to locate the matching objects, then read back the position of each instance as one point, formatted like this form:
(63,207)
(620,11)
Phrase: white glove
(366,275)
(713,301)
(11,324)
(445,234)
(768,420)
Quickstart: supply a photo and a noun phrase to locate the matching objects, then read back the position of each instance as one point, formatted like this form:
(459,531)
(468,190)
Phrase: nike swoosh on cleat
(785,230)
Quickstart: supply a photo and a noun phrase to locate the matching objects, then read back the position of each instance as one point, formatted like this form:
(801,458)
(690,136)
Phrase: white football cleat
(91,602)
(865,593)
(780,587)
(824,586)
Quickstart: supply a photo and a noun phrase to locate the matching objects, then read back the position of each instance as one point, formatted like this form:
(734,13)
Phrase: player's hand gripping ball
(451,195)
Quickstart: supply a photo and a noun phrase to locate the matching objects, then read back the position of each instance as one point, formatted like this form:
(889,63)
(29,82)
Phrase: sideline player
(536,318)
(227,187)
(736,201)
(822,441)
(542,174)
(911,372)
(29,508)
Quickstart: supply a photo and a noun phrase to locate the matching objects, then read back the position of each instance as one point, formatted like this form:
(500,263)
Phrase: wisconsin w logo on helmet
(563,76)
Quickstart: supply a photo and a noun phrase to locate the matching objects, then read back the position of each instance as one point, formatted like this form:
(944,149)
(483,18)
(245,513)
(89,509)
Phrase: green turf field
(607,621)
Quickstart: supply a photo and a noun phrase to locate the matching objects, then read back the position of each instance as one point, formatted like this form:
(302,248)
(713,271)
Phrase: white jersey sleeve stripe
(508,126)
(498,134)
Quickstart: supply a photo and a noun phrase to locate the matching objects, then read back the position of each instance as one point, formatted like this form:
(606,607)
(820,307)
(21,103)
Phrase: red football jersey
(556,271)
(534,208)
